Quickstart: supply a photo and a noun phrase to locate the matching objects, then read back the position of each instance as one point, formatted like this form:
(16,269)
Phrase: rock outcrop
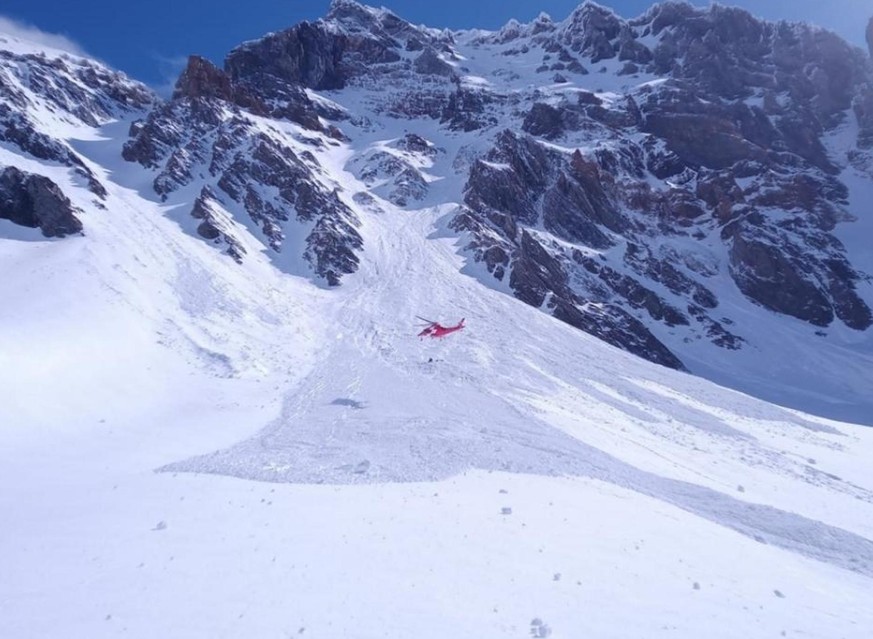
(735,132)
(36,202)
(201,136)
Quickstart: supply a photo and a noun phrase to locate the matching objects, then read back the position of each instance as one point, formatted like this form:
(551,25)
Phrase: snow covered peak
(512,30)
(356,17)
(62,87)
(26,40)
(543,22)
(589,8)
(352,41)
(349,9)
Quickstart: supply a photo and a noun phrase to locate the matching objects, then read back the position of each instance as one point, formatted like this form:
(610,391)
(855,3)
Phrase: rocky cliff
(43,91)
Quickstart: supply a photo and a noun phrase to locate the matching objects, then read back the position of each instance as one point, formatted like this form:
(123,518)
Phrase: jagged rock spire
(202,78)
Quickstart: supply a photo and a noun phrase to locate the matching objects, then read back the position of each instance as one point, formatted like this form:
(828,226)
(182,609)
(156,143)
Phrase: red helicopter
(435,329)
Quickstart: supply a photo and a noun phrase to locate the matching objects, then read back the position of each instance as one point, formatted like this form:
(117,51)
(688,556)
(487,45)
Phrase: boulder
(35,201)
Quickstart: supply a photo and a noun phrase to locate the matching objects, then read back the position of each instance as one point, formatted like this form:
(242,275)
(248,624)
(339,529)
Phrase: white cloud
(30,33)
(170,67)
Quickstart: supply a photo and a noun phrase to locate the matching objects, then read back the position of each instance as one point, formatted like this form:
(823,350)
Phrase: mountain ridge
(610,208)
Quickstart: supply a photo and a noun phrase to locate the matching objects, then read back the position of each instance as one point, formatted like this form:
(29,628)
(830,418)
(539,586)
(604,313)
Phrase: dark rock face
(551,222)
(467,110)
(202,79)
(18,129)
(544,120)
(577,208)
(764,273)
(259,93)
(780,277)
(536,273)
(354,44)
(617,327)
(174,138)
(633,292)
(520,184)
(306,54)
(538,278)
(670,275)
(413,143)
(631,50)
(265,94)
(507,184)
(244,172)
(36,202)
(429,63)
(704,136)
(591,31)
(731,54)
(702,140)
(585,113)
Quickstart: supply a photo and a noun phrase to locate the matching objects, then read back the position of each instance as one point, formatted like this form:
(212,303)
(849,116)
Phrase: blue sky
(150,40)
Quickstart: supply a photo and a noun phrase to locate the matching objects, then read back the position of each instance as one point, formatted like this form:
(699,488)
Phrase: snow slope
(319,475)
(195,448)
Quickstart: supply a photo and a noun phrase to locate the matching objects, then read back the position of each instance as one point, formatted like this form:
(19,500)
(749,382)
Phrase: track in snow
(382,406)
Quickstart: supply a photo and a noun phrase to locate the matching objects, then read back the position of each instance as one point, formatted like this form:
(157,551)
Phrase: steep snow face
(327,473)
